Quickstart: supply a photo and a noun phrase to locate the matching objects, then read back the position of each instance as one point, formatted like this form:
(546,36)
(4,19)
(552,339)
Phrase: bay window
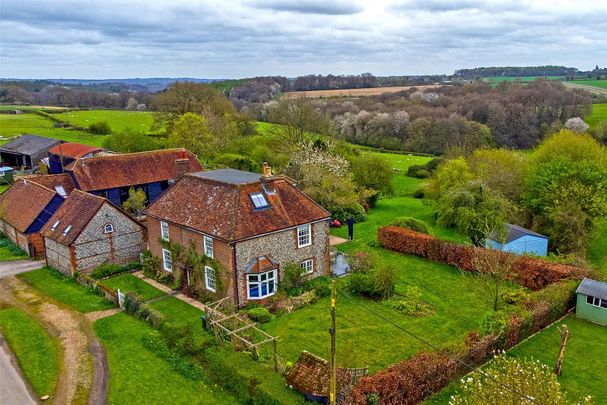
(261,285)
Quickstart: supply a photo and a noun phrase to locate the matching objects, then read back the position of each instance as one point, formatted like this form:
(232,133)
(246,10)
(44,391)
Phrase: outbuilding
(26,151)
(592,301)
(88,231)
(63,154)
(519,240)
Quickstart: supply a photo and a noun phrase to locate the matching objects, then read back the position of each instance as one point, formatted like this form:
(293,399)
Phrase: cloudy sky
(244,38)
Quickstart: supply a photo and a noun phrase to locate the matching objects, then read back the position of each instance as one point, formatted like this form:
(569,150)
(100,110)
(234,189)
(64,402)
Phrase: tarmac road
(18,266)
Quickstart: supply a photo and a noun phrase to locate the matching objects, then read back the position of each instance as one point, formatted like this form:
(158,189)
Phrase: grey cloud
(310,6)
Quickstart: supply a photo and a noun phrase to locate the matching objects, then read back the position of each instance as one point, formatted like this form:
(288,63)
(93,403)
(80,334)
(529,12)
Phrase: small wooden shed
(592,301)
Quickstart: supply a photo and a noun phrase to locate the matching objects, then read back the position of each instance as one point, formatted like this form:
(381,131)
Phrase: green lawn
(599,113)
(597,248)
(140,376)
(175,310)
(65,290)
(584,368)
(10,251)
(4,187)
(11,125)
(119,120)
(36,351)
(128,282)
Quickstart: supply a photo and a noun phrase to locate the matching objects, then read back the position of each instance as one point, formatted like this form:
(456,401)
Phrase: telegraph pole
(332,387)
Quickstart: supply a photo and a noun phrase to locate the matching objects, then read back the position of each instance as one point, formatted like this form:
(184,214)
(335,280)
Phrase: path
(13,389)
(336,240)
(15,267)
(180,296)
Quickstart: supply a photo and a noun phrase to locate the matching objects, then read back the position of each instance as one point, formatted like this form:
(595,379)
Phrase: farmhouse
(592,301)
(249,224)
(112,176)
(520,241)
(26,151)
(63,154)
(87,231)
(26,206)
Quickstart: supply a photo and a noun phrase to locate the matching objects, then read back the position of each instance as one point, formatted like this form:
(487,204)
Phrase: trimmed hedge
(527,271)
(111,269)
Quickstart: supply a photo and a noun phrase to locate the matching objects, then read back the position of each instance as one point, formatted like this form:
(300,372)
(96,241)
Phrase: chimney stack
(182,164)
(267,170)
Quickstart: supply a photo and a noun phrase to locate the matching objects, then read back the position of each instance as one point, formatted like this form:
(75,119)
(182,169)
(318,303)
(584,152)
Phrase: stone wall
(93,247)
(282,247)
(58,256)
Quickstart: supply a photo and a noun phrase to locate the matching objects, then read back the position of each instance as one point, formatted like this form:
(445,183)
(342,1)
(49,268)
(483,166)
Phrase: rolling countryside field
(373,91)
(118,120)
(599,113)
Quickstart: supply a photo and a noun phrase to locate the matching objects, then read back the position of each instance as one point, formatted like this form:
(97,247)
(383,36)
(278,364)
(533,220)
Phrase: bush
(134,305)
(259,314)
(292,275)
(514,297)
(419,193)
(100,128)
(342,213)
(493,323)
(424,171)
(411,223)
(385,280)
(377,284)
(10,246)
(150,264)
(361,262)
(236,161)
(410,304)
(178,362)
(110,269)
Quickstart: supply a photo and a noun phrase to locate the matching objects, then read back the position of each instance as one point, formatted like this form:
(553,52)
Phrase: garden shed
(592,301)
(519,240)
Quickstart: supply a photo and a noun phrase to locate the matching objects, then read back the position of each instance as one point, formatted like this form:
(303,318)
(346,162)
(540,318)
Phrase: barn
(520,241)
(65,153)
(26,151)
(592,301)
(88,231)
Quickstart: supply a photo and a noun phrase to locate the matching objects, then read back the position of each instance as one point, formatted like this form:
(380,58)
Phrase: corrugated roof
(29,144)
(53,180)
(514,232)
(21,204)
(592,287)
(225,209)
(113,171)
(73,150)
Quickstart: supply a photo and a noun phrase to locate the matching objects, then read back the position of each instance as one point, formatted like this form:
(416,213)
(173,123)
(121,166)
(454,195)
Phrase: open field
(524,79)
(593,86)
(593,83)
(48,108)
(36,351)
(583,372)
(11,125)
(373,91)
(599,113)
(118,120)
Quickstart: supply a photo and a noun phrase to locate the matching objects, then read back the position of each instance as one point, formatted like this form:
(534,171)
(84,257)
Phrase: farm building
(24,209)
(251,225)
(87,231)
(111,176)
(592,301)
(63,154)
(26,151)
(520,241)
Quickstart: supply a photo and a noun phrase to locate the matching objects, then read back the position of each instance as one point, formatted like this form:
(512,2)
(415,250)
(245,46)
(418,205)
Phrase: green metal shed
(592,301)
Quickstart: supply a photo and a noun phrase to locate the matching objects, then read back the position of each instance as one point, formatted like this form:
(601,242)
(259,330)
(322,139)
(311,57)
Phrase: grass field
(373,91)
(583,372)
(36,351)
(65,290)
(130,283)
(597,248)
(599,113)
(593,82)
(524,79)
(139,375)
(10,251)
(11,125)
(118,120)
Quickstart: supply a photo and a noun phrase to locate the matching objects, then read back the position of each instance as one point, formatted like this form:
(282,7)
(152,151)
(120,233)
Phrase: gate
(120,299)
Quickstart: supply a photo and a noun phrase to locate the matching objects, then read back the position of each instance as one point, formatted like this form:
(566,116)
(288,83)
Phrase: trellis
(234,327)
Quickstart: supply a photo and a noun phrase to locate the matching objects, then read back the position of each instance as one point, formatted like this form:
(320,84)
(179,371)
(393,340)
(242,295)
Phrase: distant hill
(151,84)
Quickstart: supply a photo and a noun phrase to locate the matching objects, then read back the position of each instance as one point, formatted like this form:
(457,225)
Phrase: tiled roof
(21,204)
(225,209)
(73,150)
(29,144)
(592,287)
(53,180)
(261,264)
(112,171)
(76,212)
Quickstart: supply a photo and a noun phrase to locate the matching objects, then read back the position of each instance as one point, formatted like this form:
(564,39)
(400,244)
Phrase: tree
(576,124)
(129,141)
(501,170)
(131,104)
(495,267)
(508,380)
(299,116)
(135,203)
(100,128)
(191,131)
(450,174)
(372,172)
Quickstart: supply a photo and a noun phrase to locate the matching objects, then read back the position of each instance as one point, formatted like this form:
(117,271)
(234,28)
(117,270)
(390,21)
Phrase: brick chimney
(267,170)
(182,164)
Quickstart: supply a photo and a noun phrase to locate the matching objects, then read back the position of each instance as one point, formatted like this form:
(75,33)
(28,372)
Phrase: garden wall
(527,271)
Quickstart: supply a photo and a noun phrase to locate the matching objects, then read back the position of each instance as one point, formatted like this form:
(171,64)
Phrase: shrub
(419,193)
(361,262)
(377,284)
(411,223)
(236,161)
(10,246)
(410,303)
(493,323)
(110,269)
(100,128)
(259,314)
(384,282)
(342,213)
(361,284)
(150,264)
(514,297)
(178,362)
(134,305)
(293,277)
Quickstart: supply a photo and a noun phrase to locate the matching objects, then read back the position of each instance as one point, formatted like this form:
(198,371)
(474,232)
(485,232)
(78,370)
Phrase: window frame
(105,231)
(166,252)
(271,279)
(207,270)
(308,229)
(303,265)
(164,224)
(208,239)
(259,198)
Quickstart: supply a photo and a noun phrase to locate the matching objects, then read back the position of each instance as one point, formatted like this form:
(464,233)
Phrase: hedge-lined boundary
(528,271)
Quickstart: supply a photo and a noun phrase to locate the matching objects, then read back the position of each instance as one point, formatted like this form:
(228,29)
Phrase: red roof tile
(112,171)
(224,208)
(73,150)
(52,180)
(21,204)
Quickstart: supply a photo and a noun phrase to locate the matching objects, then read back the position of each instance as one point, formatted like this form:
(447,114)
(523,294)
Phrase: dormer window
(259,200)
(67,230)
(55,225)
(108,228)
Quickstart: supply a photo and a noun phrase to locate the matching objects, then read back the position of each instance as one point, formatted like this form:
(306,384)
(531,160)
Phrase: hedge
(527,271)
